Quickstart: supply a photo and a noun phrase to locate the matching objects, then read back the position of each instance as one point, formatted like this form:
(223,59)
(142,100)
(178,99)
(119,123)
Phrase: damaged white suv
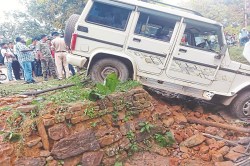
(165,48)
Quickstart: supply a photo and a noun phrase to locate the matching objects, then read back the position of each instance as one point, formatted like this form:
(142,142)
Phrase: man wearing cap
(43,50)
(8,58)
(25,58)
(60,48)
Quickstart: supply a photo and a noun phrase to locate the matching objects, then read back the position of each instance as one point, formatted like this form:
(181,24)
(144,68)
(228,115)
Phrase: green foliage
(54,13)
(93,124)
(90,112)
(228,12)
(145,127)
(124,87)
(34,113)
(7,108)
(134,147)
(131,135)
(109,86)
(69,95)
(165,140)
(11,136)
(11,120)
(118,164)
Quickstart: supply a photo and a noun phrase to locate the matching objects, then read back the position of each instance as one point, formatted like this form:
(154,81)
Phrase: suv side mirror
(222,52)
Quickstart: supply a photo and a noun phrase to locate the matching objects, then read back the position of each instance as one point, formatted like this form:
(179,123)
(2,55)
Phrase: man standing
(44,53)
(25,58)
(15,63)
(8,58)
(60,48)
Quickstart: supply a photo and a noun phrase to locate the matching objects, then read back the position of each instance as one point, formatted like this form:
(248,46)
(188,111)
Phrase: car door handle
(83,29)
(182,50)
(136,40)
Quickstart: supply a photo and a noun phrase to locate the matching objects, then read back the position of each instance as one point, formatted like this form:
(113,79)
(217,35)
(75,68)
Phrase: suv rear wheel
(241,105)
(103,67)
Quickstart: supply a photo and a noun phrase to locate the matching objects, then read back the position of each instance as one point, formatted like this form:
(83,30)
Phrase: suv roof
(167,10)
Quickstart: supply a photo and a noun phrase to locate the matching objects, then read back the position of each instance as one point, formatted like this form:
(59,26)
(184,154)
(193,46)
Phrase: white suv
(162,47)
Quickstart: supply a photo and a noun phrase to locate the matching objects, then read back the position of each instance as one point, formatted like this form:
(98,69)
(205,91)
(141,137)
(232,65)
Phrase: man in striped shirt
(25,58)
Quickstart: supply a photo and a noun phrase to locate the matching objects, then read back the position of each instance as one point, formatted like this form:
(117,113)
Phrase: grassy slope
(236,54)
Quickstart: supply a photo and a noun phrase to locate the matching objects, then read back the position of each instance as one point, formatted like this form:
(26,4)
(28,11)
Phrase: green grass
(236,54)
(18,87)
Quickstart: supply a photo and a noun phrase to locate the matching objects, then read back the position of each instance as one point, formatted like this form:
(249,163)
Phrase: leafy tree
(21,24)
(228,12)
(54,13)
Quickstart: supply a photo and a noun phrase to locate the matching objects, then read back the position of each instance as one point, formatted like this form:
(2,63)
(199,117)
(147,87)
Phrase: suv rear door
(106,25)
(151,39)
(194,58)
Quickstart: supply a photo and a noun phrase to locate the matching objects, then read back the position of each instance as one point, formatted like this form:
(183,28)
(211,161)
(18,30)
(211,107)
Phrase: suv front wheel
(241,105)
(103,67)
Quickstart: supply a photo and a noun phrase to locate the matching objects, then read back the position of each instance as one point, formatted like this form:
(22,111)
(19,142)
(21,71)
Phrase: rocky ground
(127,128)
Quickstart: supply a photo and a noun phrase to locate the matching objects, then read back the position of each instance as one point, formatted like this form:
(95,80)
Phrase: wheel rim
(246,108)
(108,70)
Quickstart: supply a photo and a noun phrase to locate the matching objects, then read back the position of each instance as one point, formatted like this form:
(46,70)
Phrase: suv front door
(194,59)
(151,39)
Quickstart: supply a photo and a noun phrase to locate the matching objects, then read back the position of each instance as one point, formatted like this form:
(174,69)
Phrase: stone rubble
(109,131)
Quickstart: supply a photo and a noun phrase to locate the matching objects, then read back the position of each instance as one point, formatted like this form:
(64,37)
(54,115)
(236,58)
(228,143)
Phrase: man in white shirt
(8,58)
(246,52)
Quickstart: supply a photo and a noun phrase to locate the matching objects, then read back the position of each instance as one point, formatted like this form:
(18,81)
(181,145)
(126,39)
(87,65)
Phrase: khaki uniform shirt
(58,44)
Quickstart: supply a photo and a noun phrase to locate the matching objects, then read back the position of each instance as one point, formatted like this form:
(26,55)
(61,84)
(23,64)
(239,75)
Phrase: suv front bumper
(76,60)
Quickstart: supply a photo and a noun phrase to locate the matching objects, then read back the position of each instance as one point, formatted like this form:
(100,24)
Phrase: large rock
(233,156)
(43,134)
(193,141)
(92,158)
(110,139)
(27,108)
(29,161)
(179,118)
(34,141)
(58,132)
(76,144)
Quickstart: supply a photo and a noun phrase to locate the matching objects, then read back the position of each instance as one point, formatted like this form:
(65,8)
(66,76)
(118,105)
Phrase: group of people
(241,39)
(44,57)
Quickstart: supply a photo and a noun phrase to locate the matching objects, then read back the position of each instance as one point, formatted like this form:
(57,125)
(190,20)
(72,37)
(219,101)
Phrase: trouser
(48,65)
(27,69)
(61,62)
(38,68)
(9,70)
(71,68)
(16,69)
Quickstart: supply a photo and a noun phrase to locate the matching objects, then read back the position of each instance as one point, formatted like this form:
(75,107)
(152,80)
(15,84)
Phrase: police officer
(44,52)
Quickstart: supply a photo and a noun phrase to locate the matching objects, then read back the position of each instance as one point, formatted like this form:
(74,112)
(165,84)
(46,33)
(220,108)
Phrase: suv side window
(156,27)
(109,16)
(202,36)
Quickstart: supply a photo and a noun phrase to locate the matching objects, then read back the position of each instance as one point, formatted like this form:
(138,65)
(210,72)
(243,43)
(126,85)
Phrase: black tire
(70,28)
(240,107)
(103,67)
